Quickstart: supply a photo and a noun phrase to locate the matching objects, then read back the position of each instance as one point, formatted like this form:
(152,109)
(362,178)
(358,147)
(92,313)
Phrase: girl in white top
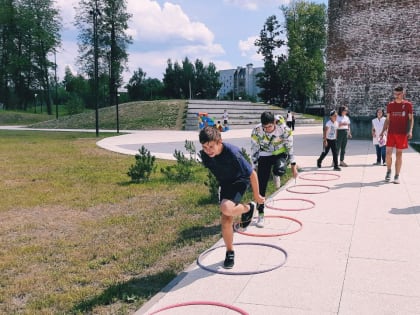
(343,133)
(379,142)
(330,142)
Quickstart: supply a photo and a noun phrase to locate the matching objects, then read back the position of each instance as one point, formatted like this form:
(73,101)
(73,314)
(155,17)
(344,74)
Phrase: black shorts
(234,191)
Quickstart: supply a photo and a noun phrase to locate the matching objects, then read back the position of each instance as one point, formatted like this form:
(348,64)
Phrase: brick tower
(373,45)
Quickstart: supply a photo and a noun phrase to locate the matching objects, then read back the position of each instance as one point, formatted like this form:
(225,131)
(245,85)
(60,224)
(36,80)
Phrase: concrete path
(357,253)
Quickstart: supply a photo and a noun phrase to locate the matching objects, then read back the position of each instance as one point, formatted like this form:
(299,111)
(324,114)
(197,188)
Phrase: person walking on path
(225,118)
(377,127)
(289,119)
(293,121)
(330,141)
(234,174)
(398,127)
(271,152)
(343,133)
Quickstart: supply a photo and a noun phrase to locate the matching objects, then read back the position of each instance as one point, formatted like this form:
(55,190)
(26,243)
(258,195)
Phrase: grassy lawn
(162,114)
(78,237)
(16,118)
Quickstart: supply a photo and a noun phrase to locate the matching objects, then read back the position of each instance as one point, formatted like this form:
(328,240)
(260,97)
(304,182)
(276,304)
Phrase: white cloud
(67,12)
(253,5)
(154,23)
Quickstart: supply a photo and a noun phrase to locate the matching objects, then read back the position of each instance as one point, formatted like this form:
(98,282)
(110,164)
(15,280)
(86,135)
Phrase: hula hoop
(290,189)
(242,272)
(236,227)
(231,307)
(307,176)
(312,204)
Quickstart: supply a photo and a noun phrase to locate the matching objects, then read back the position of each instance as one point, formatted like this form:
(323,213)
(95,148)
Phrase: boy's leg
(264,169)
(383,154)
(227,231)
(398,161)
(343,146)
(333,145)
(378,153)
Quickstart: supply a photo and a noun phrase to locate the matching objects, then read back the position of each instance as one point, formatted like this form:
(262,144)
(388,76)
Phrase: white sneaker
(277,182)
(260,221)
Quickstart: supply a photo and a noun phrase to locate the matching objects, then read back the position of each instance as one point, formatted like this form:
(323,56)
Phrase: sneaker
(388,176)
(247,216)
(318,163)
(342,163)
(260,221)
(277,182)
(384,164)
(336,168)
(396,179)
(229,260)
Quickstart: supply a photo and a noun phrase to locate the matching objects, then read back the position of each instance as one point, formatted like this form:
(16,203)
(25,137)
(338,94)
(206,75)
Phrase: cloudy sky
(218,31)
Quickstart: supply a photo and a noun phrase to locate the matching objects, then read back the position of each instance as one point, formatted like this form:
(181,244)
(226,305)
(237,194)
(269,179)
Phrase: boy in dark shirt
(234,175)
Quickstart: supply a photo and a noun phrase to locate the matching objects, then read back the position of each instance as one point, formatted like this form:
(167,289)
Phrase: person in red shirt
(399,127)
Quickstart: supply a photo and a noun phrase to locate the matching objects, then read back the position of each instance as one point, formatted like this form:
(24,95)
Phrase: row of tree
(30,36)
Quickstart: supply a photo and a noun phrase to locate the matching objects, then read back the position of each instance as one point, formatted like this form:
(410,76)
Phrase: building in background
(239,83)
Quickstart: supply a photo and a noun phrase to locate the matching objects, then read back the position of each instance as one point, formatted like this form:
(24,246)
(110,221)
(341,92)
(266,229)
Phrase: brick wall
(373,45)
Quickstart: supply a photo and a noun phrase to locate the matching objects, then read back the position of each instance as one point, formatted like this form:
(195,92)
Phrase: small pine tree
(144,166)
(213,186)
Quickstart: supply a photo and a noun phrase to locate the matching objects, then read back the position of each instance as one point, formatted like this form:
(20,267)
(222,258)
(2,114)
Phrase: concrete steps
(241,114)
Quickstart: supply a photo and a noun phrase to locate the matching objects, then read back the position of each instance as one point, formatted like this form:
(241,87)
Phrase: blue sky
(218,31)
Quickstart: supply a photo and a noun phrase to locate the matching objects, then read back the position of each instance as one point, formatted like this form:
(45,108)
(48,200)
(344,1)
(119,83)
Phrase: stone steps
(241,114)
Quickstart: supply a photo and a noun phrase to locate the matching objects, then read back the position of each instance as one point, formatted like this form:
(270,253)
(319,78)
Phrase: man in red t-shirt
(399,128)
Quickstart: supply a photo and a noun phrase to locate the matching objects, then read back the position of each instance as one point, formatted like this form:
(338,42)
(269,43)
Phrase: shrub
(213,186)
(144,166)
(183,170)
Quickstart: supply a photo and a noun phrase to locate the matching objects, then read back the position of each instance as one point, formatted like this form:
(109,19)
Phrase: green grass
(162,114)
(78,237)
(13,118)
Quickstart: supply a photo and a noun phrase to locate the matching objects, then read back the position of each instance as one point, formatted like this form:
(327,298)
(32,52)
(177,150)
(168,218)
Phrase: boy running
(399,125)
(272,151)
(234,175)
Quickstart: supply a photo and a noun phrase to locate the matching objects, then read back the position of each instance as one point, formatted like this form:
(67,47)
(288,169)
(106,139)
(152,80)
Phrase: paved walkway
(357,253)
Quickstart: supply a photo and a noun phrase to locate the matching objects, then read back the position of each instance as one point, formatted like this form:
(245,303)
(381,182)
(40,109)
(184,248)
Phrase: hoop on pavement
(308,176)
(192,303)
(237,229)
(251,272)
(310,206)
(292,190)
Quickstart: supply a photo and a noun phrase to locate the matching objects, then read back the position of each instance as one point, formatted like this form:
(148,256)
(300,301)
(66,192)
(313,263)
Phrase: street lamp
(95,14)
(118,118)
(35,101)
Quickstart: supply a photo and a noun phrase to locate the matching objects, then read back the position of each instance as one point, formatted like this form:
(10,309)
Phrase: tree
(112,22)
(29,32)
(306,39)
(271,80)
(191,80)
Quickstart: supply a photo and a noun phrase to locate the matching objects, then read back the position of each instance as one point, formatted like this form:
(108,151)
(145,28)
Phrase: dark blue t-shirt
(229,166)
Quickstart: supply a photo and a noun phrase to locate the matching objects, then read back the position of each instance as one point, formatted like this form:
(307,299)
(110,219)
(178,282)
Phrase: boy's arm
(326,129)
(386,125)
(255,188)
(410,130)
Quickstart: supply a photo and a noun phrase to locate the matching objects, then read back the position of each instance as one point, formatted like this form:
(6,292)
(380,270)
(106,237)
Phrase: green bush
(144,166)
(213,186)
(184,168)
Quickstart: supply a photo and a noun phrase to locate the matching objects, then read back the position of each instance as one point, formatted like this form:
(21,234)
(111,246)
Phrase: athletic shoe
(388,176)
(229,260)
(377,163)
(277,182)
(336,168)
(260,221)
(384,164)
(396,179)
(342,163)
(318,163)
(247,216)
